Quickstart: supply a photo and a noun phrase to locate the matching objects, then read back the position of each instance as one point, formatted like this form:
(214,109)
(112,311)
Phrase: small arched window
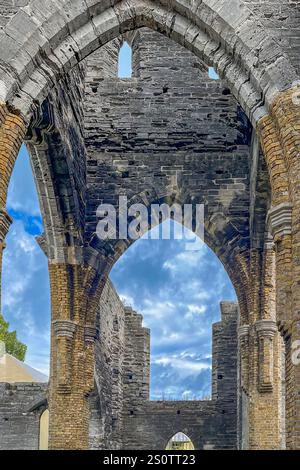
(44,430)
(125,61)
(180,441)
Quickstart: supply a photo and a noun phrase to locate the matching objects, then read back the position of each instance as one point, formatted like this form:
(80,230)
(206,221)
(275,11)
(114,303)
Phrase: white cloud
(185,367)
(19,262)
(185,261)
(25,306)
(127,300)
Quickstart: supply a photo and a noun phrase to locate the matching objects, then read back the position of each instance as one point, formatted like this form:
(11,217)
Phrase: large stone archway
(69,32)
(42,43)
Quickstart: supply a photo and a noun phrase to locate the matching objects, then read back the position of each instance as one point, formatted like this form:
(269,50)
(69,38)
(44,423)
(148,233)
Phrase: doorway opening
(180,441)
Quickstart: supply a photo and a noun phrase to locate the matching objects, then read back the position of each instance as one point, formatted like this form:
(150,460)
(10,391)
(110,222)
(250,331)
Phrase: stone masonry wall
(21,406)
(106,426)
(169,131)
(210,424)
(280,17)
(136,370)
(204,422)
(122,416)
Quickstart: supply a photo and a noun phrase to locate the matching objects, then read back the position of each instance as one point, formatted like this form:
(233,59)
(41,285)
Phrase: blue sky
(125,61)
(125,64)
(177,291)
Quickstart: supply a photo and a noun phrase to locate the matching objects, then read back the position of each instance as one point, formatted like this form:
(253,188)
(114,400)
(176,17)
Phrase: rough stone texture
(121,414)
(12,132)
(233,39)
(75,296)
(281,19)
(21,406)
(254,46)
(154,138)
(107,402)
(209,424)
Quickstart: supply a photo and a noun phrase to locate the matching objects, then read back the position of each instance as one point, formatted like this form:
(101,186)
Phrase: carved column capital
(279,220)
(64,328)
(64,331)
(243,331)
(266,328)
(90,334)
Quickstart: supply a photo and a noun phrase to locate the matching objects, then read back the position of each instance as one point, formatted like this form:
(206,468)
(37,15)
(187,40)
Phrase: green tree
(12,345)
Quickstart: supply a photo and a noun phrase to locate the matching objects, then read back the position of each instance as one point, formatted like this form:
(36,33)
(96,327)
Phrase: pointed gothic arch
(180,441)
(125,61)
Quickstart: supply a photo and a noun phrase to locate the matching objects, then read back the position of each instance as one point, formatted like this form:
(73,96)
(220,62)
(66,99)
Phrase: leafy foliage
(12,345)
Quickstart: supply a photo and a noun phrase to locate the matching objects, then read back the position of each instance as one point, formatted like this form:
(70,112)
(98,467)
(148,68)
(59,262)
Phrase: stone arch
(44,430)
(180,437)
(218,233)
(262,80)
(77,30)
(39,407)
(57,38)
(125,46)
(71,33)
(58,174)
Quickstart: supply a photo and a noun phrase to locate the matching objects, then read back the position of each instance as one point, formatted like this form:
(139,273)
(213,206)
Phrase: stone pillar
(12,132)
(285,114)
(243,387)
(290,332)
(279,221)
(266,389)
(264,384)
(280,226)
(75,293)
(243,333)
(266,331)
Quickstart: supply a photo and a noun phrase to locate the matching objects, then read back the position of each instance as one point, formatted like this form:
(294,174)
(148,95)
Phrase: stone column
(264,385)
(12,132)
(75,293)
(280,226)
(290,333)
(243,387)
(266,331)
(243,333)
(279,221)
(285,116)
(265,394)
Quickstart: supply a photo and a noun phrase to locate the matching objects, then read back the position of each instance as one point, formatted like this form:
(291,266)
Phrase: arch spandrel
(232,253)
